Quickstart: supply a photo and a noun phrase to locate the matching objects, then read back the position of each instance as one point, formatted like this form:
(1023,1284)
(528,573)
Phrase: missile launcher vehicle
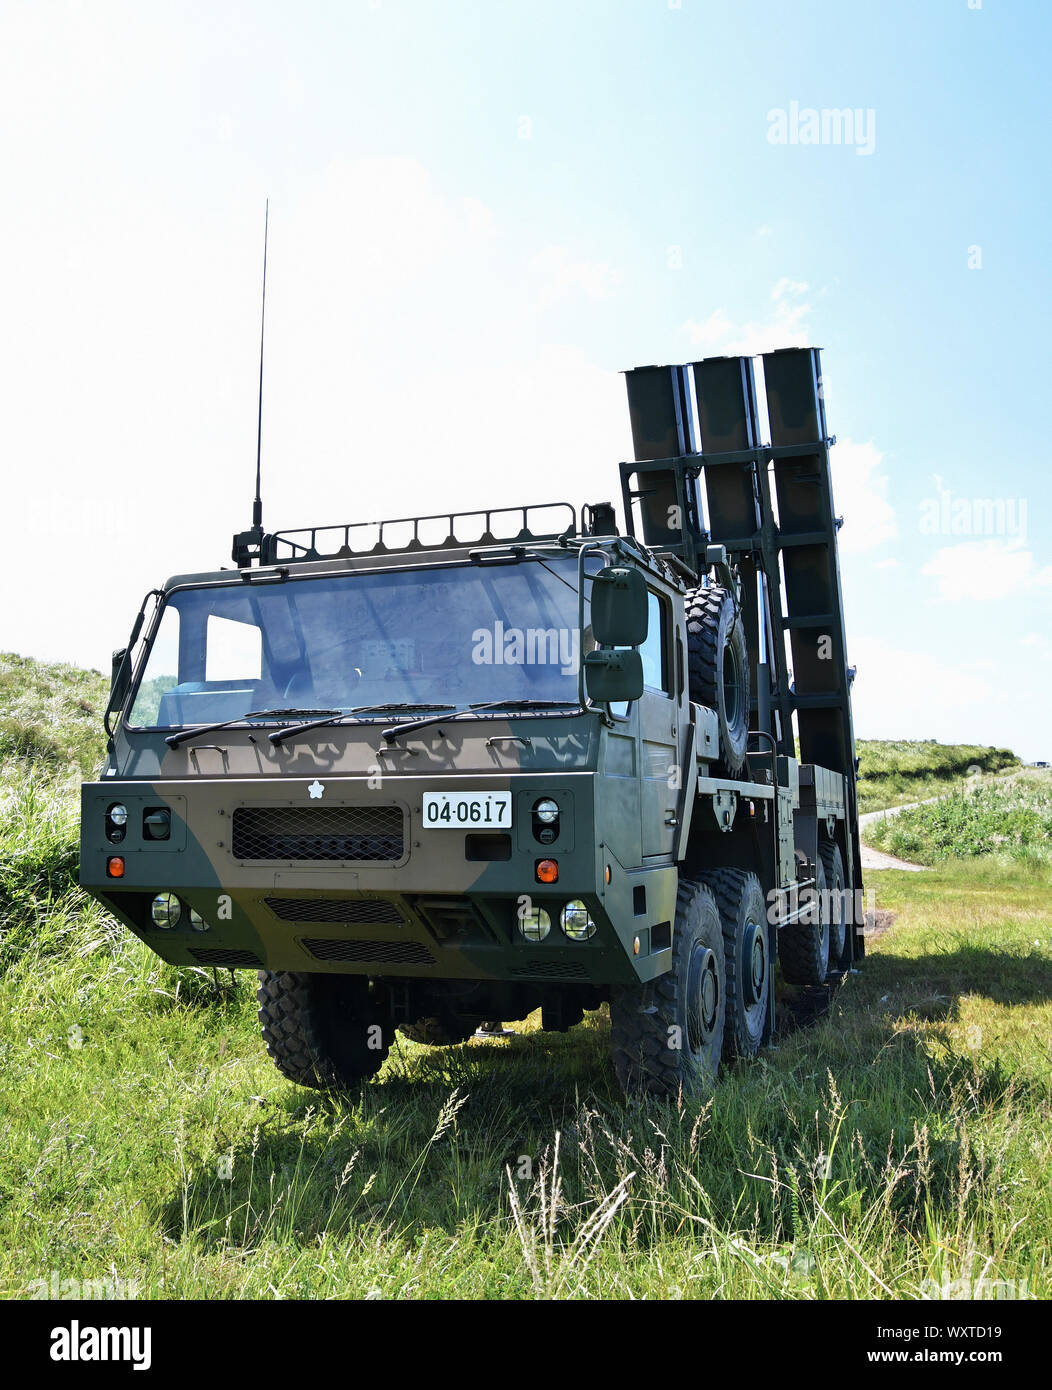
(427,772)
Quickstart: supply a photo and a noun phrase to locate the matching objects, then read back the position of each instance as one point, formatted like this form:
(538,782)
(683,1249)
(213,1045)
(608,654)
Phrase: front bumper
(439,903)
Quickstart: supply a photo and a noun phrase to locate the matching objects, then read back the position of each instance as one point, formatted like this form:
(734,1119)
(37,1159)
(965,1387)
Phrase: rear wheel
(325,1031)
(834,870)
(667,1034)
(746,948)
(803,946)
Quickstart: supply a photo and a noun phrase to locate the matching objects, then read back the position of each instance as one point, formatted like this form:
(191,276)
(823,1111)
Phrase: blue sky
(480,214)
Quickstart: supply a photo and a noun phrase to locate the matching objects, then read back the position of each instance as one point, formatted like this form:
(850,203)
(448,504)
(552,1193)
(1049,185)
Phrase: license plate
(467,810)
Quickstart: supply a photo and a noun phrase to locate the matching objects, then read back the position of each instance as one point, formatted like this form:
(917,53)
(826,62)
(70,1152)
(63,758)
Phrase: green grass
(50,718)
(899,1146)
(1011,821)
(895,771)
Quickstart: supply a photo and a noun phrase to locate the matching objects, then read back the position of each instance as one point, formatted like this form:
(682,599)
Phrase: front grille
(317,833)
(396,952)
(337,910)
(551,970)
(215,956)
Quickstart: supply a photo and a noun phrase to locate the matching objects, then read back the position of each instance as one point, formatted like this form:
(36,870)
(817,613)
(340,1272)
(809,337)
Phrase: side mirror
(619,607)
(613,676)
(120,677)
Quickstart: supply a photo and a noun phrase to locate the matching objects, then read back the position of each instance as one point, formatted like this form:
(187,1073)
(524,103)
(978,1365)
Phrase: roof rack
(405,535)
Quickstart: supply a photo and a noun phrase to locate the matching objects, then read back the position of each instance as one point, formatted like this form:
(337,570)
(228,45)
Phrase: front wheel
(667,1034)
(325,1031)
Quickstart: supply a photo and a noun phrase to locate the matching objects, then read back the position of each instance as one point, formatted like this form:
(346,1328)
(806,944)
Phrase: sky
(480,214)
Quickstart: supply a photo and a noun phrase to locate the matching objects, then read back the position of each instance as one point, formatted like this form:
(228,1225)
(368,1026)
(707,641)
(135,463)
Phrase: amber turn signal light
(115,866)
(547,871)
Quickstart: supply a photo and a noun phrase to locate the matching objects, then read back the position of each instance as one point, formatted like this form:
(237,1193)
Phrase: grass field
(898,1147)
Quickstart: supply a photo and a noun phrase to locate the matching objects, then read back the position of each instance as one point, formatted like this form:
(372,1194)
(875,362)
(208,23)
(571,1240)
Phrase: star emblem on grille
(315,790)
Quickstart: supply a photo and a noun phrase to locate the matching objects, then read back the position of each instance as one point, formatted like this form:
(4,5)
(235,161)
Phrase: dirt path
(877,859)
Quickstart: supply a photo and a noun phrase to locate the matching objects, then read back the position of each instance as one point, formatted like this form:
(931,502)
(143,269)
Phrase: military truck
(427,772)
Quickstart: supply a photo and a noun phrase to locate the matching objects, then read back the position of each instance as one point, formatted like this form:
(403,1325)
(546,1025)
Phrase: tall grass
(900,1147)
(50,717)
(1012,821)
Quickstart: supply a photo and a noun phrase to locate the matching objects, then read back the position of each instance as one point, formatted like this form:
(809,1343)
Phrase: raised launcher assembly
(737,508)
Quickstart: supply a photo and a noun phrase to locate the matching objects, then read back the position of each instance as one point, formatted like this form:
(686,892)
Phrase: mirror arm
(582,695)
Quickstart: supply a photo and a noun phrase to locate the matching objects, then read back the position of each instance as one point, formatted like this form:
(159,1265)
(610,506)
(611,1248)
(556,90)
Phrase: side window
(654,650)
(234,651)
(161,671)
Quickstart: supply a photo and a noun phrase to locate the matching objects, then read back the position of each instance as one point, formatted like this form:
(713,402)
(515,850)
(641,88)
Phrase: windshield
(454,635)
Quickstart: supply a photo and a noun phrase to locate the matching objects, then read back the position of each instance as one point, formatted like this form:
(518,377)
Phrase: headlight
(118,814)
(535,924)
(575,921)
(166,910)
(197,921)
(546,810)
(157,823)
(116,820)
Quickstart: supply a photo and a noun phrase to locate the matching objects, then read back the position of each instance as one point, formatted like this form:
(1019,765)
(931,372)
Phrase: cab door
(659,733)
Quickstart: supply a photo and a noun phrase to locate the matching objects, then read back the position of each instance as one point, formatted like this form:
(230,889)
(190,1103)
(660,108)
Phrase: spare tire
(718,668)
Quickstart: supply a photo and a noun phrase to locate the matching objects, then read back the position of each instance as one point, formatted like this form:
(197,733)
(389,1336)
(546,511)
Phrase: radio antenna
(257,504)
(248,545)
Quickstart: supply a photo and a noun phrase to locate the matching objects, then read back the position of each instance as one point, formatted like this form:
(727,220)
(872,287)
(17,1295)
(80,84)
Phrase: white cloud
(990,569)
(903,693)
(557,274)
(946,692)
(786,327)
(860,497)
(787,287)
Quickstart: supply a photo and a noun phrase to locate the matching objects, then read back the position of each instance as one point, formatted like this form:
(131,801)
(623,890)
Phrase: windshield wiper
(174,740)
(389,735)
(338,716)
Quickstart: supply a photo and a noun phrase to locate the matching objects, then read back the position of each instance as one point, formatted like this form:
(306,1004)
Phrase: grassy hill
(892,772)
(899,1147)
(1010,820)
(50,718)
(50,738)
